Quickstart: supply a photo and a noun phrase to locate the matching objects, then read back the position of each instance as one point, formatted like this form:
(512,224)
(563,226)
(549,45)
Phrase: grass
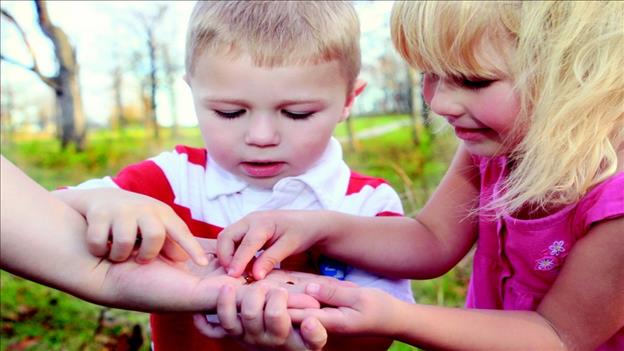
(35,317)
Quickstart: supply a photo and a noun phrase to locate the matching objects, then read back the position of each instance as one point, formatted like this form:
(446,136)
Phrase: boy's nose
(262,131)
(443,100)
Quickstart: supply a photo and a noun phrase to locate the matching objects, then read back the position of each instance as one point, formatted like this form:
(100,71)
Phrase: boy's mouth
(262,169)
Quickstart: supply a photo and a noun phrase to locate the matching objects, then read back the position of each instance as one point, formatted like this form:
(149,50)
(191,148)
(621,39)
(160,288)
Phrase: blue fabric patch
(332,268)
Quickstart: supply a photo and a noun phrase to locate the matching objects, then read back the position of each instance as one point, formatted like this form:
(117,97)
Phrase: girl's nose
(262,131)
(443,99)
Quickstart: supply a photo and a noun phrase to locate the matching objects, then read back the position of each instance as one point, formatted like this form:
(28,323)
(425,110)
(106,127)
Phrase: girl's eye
(297,115)
(474,83)
(229,114)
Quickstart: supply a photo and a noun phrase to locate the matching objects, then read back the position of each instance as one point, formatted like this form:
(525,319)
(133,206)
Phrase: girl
(535,92)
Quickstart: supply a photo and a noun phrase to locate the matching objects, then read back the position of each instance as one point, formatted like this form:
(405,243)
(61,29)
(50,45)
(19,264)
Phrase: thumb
(272,256)
(300,300)
(333,295)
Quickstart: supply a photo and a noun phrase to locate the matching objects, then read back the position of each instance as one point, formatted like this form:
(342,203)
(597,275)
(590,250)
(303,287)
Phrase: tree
(390,70)
(170,71)
(149,24)
(418,108)
(7,109)
(119,119)
(70,116)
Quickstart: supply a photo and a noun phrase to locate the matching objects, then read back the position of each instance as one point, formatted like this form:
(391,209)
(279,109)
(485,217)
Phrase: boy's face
(264,124)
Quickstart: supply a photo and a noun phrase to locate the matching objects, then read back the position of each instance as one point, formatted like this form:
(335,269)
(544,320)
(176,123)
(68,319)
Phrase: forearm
(340,343)
(390,246)
(471,329)
(42,238)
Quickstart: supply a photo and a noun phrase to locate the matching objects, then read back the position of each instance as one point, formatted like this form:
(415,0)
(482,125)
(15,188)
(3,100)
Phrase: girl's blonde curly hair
(567,61)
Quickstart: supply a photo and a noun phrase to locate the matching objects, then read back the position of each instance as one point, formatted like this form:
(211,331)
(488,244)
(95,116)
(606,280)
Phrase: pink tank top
(517,260)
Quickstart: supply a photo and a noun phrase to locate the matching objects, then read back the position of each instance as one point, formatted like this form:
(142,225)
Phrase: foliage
(35,317)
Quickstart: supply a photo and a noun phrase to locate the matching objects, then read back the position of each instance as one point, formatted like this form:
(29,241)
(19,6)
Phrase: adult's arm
(43,240)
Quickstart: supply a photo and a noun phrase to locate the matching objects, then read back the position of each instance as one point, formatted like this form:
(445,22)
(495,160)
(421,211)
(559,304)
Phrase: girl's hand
(263,321)
(284,232)
(352,310)
(121,223)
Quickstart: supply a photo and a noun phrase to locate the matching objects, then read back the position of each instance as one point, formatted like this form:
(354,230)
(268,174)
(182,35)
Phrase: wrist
(396,323)
(329,225)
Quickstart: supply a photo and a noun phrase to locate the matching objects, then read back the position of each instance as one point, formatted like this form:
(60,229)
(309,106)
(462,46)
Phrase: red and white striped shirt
(208,198)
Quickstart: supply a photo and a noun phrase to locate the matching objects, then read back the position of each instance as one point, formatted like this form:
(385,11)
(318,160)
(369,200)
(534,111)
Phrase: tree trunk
(170,70)
(72,118)
(352,142)
(153,83)
(418,113)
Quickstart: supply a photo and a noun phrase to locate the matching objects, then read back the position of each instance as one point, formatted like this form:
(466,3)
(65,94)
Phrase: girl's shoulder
(605,201)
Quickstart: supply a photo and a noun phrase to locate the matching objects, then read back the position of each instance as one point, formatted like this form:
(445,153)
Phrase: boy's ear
(358,88)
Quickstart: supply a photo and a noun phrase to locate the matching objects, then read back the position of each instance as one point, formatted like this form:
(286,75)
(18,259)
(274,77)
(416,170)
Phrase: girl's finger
(276,318)
(252,309)
(332,295)
(208,329)
(227,311)
(252,241)
(313,333)
(227,240)
(271,257)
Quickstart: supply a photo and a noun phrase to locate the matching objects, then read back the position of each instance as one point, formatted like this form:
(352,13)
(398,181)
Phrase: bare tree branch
(50,81)
(64,51)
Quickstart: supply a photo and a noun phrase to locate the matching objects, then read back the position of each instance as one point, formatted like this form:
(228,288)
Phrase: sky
(104,32)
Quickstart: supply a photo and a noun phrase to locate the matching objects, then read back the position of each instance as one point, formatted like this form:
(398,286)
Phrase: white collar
(328,178)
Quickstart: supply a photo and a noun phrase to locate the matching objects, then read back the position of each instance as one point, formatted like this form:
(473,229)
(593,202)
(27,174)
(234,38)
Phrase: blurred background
(88,87)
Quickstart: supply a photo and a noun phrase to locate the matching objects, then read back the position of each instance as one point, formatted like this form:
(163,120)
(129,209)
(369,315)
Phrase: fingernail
(203,261)
(313,288)
(231,272)
(261,274)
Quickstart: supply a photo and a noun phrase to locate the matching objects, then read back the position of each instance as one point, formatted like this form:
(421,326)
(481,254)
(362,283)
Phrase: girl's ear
(358,88)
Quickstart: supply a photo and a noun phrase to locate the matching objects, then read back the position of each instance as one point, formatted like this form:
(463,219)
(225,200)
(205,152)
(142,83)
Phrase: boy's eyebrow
(245,103)
(227,101)
(297,102)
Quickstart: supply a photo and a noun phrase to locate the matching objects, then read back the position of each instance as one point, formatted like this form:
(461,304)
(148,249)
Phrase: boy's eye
(229,114)
(297,115)
(473,83)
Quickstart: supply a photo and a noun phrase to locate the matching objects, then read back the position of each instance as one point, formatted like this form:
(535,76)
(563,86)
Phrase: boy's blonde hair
(567,61)
(277,33)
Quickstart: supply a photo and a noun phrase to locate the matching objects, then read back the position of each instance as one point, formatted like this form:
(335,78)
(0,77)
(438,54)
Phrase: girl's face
(482,111)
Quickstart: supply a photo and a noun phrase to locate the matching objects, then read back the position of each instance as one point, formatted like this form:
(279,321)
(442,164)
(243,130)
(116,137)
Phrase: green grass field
(35,317)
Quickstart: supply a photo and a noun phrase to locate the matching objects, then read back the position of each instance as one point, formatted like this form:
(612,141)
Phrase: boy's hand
(351,310)
(284,232)
(120,222)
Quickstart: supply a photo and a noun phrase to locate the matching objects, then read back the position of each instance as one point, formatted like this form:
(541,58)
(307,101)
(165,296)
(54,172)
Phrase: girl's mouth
(471,134)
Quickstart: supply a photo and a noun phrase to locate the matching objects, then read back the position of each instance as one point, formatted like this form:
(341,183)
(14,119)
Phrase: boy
(270,81)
